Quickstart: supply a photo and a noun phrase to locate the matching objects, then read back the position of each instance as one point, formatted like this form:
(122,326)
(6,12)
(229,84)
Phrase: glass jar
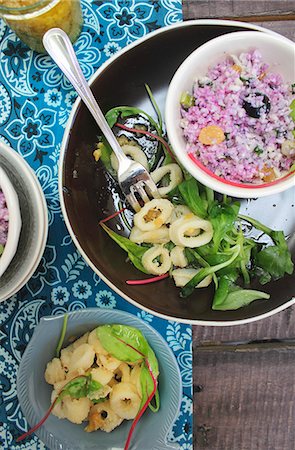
(30,19)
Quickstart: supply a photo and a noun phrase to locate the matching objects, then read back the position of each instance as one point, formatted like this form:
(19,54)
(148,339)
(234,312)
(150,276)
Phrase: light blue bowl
(60,434)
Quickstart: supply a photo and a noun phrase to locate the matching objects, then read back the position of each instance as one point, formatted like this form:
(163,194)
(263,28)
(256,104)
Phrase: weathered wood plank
(244,400)
(277,327)
(193,9)
(285,28)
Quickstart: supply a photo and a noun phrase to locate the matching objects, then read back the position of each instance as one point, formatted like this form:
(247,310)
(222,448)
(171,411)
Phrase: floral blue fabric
(35,102)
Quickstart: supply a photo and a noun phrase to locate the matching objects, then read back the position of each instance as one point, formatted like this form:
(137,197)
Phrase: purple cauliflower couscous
(238,121)
(3,222)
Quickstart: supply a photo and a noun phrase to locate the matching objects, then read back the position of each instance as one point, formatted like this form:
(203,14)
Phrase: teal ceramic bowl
(59,434)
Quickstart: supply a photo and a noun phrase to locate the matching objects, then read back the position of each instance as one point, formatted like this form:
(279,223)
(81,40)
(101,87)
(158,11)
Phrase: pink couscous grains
(3,221)
(251,105)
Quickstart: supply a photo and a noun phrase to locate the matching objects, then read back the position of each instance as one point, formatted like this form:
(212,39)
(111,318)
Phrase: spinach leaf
(76,388)
(123,342)
(223,217)
(154,365)
(275,259)
(113,115)
(189,190)
(106,151)
(93,386)
(134,251)
(190,286)
(221,292)
(79,387)
(238,298)
(146,383)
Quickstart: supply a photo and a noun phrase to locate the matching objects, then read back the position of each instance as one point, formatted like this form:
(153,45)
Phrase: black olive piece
(104,414)
(256,111)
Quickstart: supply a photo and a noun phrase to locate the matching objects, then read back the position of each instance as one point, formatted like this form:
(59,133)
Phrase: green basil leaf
(123,342)
(134,251)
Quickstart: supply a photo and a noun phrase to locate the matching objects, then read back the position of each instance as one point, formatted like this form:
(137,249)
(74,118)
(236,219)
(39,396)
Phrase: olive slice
(251,107)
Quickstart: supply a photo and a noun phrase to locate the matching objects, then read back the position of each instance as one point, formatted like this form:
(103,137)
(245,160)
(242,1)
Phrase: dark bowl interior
(90,194)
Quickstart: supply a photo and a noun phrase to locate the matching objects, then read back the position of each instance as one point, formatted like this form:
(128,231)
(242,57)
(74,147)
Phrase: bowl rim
(81,317)
(14,220)
(217,22)
(192,164)
(37,192)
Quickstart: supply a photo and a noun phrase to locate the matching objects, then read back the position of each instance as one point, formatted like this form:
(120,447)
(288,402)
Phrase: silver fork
(133,178)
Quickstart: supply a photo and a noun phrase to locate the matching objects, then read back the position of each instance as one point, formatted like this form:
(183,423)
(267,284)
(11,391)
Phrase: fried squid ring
(159,236)
(175,177)
(178,257)
(102,417)
(134,152)
(192,232)
(125,400)
(153,214)
(183,276)
(156,260)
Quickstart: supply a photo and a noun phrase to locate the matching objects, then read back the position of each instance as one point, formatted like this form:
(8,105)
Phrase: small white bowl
(14,221)
(278,52)
(34,222)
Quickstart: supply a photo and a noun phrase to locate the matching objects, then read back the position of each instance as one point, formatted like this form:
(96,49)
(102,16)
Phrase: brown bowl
(88,193)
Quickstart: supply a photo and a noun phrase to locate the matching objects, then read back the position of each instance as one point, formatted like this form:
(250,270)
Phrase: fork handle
(59,47)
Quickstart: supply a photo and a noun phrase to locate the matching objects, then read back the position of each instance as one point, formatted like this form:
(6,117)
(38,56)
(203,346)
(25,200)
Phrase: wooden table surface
(244,376)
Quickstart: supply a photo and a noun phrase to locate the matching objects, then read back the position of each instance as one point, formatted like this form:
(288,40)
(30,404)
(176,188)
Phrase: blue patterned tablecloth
(35,102)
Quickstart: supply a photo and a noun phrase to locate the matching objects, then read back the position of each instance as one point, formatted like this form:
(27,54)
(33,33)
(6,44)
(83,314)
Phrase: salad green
(233,258)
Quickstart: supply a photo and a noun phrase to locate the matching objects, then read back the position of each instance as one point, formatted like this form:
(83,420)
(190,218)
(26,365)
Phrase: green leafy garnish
(187,100)
(134,251)
(274,260)
(292,106)
(83,386)
(62,335)
(238,298)
(123,342)
(258,150)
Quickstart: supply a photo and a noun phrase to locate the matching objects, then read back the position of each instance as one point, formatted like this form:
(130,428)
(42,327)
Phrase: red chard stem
(145,406)
(148,133)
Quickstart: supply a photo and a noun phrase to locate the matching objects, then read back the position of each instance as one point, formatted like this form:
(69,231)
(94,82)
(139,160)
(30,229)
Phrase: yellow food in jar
(31,25)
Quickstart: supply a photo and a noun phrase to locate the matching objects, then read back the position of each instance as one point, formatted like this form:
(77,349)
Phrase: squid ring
(159,236)
(175,177)
(192,232)
(134,152)
(153,214)
(156,260)
(178,257)
(183,276)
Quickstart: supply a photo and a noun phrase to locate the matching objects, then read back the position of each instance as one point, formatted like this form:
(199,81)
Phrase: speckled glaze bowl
(277,51)
(33,211)
(88,194)
(34,393)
